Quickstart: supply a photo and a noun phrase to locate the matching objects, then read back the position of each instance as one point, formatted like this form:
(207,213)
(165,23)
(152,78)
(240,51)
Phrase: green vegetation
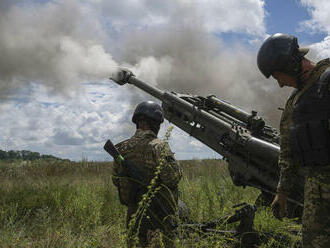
(24,155)
(66,204)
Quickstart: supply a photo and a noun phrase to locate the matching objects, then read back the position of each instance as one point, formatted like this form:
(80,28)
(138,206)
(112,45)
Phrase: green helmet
(280,52)
(149,109)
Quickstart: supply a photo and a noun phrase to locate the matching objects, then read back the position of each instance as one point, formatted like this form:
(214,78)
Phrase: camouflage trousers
(150,233)
(316,217)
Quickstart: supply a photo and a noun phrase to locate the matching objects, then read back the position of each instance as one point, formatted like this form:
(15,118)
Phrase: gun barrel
(266,150)
(147,88)
(229,109)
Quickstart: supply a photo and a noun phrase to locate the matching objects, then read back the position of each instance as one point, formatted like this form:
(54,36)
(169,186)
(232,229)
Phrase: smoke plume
(175,45)
(55,44)
(187,59)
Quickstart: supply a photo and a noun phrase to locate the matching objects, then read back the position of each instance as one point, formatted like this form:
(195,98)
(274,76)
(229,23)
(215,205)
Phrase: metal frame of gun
(245,215)
(250,147)
(245,232)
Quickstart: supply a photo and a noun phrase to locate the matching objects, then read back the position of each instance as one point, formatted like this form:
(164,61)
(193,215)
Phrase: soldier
(305,135)
(154,160)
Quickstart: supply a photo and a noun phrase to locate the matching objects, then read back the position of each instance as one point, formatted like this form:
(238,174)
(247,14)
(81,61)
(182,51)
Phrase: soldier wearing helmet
(305,132)
(145,150)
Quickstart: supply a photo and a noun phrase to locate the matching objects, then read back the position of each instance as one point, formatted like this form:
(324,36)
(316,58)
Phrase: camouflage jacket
(146,151)
(289,171)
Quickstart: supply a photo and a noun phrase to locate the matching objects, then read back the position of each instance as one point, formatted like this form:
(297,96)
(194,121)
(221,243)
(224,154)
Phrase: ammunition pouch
(310,133)
(128,190)
(123,198)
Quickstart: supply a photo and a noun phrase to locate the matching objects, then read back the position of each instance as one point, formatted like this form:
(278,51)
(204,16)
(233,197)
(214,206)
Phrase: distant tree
(3,155)
(24,155)
(34,155)
(48,157)
(13,154)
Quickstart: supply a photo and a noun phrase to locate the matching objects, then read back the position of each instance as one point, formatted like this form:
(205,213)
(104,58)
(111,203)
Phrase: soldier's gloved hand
(279,205)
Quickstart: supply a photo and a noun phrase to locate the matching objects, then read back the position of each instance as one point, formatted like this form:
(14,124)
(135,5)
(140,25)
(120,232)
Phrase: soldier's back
(141,150)
(145,150)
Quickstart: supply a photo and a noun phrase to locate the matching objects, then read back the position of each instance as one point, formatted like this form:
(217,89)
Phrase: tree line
(23,155)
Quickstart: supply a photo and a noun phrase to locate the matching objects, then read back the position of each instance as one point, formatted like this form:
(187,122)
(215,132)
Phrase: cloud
(211,15)
(78,128)
(67,137)
(62,43)
(66,127)
(319,22)
(53,47)
(321,50)
(319,11)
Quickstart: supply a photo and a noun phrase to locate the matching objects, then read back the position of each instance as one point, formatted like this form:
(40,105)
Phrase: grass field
(65,204)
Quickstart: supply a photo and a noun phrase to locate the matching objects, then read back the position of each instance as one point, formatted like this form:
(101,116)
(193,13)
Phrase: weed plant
(66,204)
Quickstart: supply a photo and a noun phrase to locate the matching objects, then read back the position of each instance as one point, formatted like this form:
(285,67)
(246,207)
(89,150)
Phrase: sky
(56,57)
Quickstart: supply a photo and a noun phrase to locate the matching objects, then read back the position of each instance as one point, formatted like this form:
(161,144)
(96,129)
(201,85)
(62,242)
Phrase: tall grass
(65,204)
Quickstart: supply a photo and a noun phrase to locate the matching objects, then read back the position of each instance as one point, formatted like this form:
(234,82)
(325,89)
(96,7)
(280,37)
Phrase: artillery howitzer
(250,147)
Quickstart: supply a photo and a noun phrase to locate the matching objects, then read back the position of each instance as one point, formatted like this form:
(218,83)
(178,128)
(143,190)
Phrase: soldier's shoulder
(123,145)
(157,143)
(161,147)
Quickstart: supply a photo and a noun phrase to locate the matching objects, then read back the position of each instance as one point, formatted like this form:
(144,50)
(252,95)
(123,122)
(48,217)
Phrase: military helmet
(150,110)
(280,52)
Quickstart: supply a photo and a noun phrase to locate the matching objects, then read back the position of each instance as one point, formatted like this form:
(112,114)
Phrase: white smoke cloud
(55,46)
(62,43)
(197,62)
(151,69)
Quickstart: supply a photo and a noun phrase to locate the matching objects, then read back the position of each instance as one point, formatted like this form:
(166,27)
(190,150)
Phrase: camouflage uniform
(145,150)
(316,217)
